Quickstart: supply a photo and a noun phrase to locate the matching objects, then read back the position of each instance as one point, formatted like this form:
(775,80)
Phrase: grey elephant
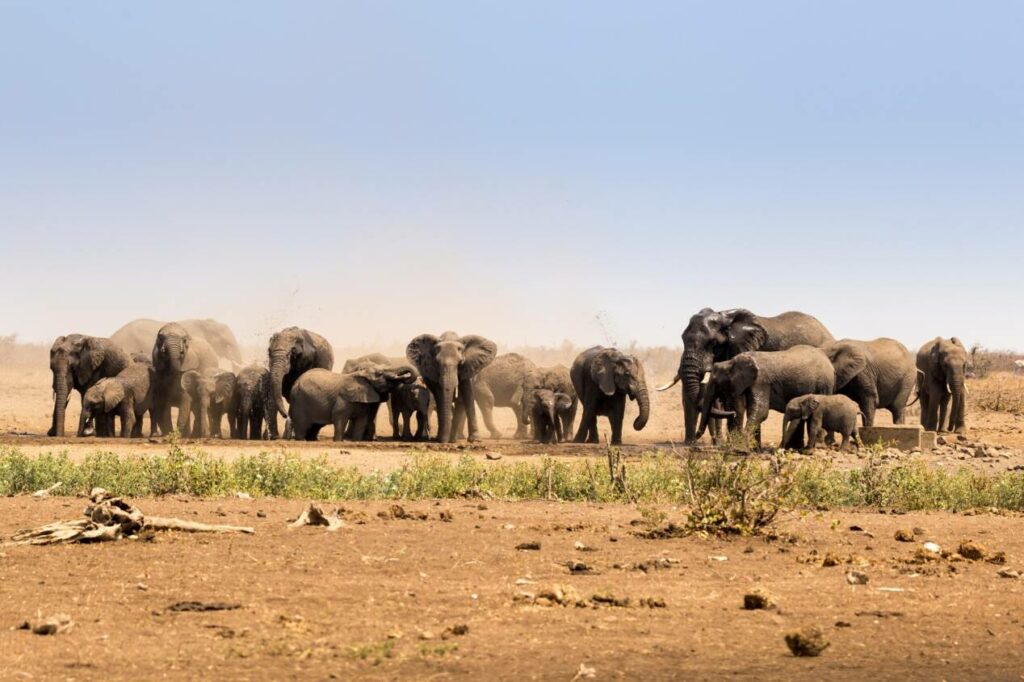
(831,413)
(138,336)
(557,379)
(291,352)
(713,336)
(758,381)
(253,403)
(943,369)
(877,374)
(405,401)
(321,397)
(603,378)
(547,410)
(500,384)
(211,393)
(370,362)
(175,352)
(129,396)
(448,363)
(78,362)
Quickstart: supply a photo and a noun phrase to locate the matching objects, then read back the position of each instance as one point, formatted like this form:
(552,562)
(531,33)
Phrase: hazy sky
(530,171)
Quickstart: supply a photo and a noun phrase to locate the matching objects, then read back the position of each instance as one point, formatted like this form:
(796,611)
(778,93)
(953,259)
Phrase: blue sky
(530,171)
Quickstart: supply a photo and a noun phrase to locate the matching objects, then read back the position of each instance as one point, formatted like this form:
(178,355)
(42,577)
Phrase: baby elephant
(834,413)
(127,395)
(405,401)
(211,392)
(548,413)
(253,404)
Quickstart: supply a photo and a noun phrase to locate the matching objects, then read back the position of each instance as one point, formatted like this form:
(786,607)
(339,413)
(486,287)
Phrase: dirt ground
(386,598)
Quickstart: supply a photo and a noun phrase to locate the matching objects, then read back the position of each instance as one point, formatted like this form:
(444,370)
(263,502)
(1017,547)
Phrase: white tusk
(948,389)
(669,384)
(707,379)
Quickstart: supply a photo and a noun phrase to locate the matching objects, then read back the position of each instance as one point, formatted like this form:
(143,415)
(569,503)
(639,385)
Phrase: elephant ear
(808,407)
(956,342)
(113,394)
(562,402)
(744,331)
(743,373)
(603,372)
(224,388)
(359,389)
(849,361)
(477,353)
(420,352)
(193,356)
(87,361)
(190,381)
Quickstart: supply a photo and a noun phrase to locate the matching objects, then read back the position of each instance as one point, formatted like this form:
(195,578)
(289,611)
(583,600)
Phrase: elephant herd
(735,368)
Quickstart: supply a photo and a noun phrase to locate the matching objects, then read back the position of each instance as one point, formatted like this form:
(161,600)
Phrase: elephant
(833,413)
(547,411)
(555,379)
(321,397)
(447,363)
(406,400)
(129,395)
(253,403)
(943,366)
(877,374)
(714,336)
(603,378)
(500,384)
(211,392)
(291,352)
(138,336)
(375,361)
(174,353)
(78,362)
(759,381)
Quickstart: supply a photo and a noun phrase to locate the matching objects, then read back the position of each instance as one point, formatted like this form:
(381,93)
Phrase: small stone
(261,514)
(1008,573)
(971,550)
(857,578)
(493,456)
(757,599)
(809,641)
(904,535)
(931,548)
(528,546)
(830,560)
(578,567)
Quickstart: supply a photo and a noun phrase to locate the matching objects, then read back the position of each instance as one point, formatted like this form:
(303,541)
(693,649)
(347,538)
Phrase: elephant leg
(691,411)
(589,416)
(485,401)
(184,410)
(615,417)
(394,413)
(466,398)
(943,407)
(458,421)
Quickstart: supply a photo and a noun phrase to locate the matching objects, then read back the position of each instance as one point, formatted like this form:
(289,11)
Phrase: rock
(578,567)
(971,550)
(528,546)
(1008,573)
(757,599)
(445,516)
(580,547)
(830,560)
(931,548)
(996,558)
(455,630)
(857,578)
(54,625)
(810,641)
(903,535)
(653,602)
(493,456)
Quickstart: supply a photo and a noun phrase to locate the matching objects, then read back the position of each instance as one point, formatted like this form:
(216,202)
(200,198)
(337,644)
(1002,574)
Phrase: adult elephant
(291,352)
(500,384)
(603,378)
(714,336)
(78,362)
(757,381)
(943,366)
(138,336)
(175,352)
(877,375)
(446,363)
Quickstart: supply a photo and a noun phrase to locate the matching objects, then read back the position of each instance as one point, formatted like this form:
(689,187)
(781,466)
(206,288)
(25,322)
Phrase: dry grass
(997,392)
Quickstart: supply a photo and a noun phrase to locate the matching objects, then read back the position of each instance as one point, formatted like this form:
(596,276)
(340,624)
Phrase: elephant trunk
(691,370)
(644,401)
(708,411)
(243,415)
(61,388)
(789,428)
(173,349)
(85,427)
(524,407)
(958,388)
(203,423)
(449,381)
(278,368)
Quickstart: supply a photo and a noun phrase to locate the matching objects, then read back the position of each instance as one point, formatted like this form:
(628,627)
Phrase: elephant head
(798,411)
(208,388)
(544,408)
(712,337)
(446,361)
(849,360)
(381,380)
(170,351)
(614,371)
(101,399)
(291,352)
(727,380)
(948,360)
(65,356)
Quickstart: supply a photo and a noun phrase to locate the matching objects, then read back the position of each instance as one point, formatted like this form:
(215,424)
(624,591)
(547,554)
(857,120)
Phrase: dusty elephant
(558,380)
(370,362)
(714,336)
(943,366)
(500,384)
(547,412)
(211,393)
(253,403)
(878,375)
(603,378)
(78,362)
(405,401)
(138,336)
(321,397)
(291,352)
(446,363)
(756,382)
(175,352)
(129,396)
(831,413)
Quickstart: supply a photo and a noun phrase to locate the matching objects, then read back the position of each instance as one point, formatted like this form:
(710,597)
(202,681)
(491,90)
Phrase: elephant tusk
(669,384)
